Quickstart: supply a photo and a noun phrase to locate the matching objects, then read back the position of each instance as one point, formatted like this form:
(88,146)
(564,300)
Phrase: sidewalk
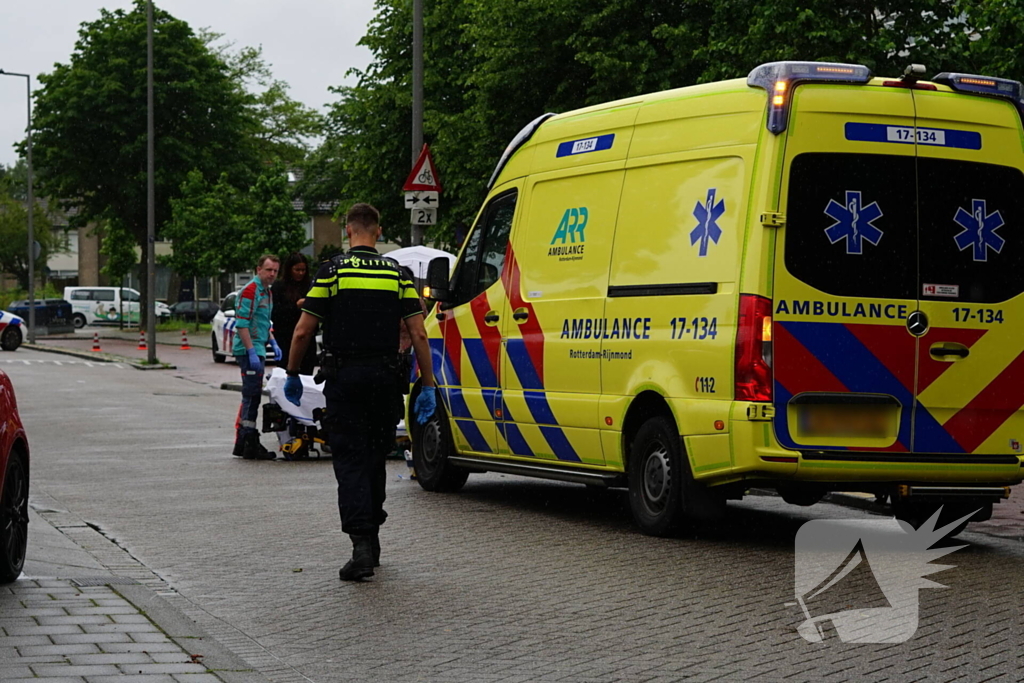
(69,620)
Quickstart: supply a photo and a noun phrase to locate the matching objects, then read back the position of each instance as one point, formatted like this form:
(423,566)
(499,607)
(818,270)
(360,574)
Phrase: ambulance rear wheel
(657,477)
(432,445)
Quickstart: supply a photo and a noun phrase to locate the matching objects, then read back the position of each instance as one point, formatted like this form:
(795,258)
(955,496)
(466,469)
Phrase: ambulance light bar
(1002,88)
(779,79)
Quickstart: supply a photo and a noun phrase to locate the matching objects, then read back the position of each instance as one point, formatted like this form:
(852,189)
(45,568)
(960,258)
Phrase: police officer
(361,297)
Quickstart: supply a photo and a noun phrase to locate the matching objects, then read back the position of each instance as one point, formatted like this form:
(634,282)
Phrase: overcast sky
(310,44)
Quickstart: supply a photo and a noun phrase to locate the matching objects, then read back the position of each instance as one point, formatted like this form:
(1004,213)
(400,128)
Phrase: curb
(187,634)
(237,386)
(99,357)
(127,580)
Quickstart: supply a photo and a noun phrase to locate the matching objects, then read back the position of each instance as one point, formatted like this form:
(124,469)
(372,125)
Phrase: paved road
(511,580)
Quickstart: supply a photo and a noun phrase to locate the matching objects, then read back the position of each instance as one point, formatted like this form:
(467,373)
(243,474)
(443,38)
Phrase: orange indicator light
(778,100)
(719,425)
(608,420)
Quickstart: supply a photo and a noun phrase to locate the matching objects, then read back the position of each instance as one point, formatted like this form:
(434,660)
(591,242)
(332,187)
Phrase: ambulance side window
(484,256)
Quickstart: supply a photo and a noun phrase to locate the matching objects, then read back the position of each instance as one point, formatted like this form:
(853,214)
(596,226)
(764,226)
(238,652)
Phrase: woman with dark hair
(289,293)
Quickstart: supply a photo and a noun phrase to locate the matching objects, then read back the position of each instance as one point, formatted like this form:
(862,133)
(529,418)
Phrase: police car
(809,280)
(11,334)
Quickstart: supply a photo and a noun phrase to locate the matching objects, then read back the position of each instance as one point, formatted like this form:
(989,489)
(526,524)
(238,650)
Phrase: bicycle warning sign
(424,174)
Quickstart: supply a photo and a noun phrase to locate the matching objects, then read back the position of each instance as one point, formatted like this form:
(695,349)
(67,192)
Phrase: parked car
(13,485)
(186,310)
(53,316)
(92,305)
(223,334)
(11,334)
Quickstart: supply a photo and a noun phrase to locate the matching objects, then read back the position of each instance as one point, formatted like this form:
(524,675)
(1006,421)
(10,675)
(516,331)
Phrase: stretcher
(299,428)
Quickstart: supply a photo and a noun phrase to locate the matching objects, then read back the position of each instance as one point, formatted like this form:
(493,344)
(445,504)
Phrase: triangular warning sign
(424,174)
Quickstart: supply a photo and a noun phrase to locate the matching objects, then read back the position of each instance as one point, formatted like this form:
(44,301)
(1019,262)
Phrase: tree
(494,65)
(274,226)
(286,127)
(14,238)
(215,228)
(90,121)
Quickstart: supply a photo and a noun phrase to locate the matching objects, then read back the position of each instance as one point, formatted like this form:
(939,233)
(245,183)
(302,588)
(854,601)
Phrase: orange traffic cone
(184,341)
(95,341)
(142,341)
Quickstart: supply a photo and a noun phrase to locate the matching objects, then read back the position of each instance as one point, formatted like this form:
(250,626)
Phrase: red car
(13,485)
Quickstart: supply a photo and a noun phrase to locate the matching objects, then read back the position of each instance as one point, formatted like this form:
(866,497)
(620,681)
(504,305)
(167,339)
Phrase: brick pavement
(54,630)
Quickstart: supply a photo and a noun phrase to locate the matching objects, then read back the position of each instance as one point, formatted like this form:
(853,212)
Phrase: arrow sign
(421,200)
(424,174)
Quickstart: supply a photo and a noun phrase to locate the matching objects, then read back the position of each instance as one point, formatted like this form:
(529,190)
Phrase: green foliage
(491,66)
(208,222)
(274,226)
(286,126)
(14,255)
(48,291)
(328,251)
(117,245)
(90,120)
(215,228)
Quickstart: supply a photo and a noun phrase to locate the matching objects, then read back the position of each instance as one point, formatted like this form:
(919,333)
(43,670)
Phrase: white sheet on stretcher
(312,398)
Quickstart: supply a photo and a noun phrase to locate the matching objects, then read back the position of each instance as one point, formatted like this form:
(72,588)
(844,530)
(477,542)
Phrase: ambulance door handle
(491,317)
(948,351)
(521,315)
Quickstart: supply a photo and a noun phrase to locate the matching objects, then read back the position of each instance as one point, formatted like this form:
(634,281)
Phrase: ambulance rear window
(851,224)
(972,230)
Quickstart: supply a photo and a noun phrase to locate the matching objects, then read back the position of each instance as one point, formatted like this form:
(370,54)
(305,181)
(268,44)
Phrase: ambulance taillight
(754,349)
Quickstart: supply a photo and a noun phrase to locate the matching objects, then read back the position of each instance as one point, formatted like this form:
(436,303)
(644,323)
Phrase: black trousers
(361,431)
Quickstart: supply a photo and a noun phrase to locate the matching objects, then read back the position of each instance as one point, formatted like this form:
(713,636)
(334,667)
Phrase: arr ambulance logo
(570,236)
(862,577)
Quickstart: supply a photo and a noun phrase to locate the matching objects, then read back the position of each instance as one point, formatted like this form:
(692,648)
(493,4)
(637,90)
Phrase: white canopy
(417,258)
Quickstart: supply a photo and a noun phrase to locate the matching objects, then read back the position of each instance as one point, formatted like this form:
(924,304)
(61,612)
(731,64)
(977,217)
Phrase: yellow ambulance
(810,280)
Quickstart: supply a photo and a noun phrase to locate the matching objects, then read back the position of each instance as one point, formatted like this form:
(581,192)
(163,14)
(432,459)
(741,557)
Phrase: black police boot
(252,449)
(375,545)
(237,450)
(361,565)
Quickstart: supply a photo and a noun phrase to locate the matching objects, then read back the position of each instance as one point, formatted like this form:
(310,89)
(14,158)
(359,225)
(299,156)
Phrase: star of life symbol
(863,576)
(979,230)
(707,215)
(853,222)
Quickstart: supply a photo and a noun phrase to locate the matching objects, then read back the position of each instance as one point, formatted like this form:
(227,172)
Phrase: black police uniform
(361,298)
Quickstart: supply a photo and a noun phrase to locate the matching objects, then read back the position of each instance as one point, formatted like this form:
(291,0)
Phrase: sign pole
(416,235)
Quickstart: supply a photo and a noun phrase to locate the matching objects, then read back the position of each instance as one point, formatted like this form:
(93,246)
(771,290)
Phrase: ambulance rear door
(970,379)
(846,275)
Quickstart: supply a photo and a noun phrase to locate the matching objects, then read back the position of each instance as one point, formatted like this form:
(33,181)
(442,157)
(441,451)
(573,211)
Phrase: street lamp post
(31,211)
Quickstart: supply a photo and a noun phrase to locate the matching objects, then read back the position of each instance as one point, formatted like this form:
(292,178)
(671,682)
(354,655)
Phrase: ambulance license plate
(846,420)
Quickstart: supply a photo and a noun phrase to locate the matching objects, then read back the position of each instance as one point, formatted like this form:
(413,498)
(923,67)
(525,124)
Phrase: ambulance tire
(432,444)
(658,477)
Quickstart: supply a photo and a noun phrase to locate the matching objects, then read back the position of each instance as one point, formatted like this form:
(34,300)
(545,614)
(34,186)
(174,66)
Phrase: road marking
(46,361)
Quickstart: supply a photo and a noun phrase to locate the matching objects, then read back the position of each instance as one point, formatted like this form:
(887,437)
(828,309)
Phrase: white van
(92,305)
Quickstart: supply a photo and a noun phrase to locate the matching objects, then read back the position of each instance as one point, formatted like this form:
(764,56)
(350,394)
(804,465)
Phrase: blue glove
(255,362)
(277,350)
(426,404)
(293,390)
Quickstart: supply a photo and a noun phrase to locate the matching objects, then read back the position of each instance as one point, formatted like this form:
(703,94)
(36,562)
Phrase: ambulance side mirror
(437,280)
